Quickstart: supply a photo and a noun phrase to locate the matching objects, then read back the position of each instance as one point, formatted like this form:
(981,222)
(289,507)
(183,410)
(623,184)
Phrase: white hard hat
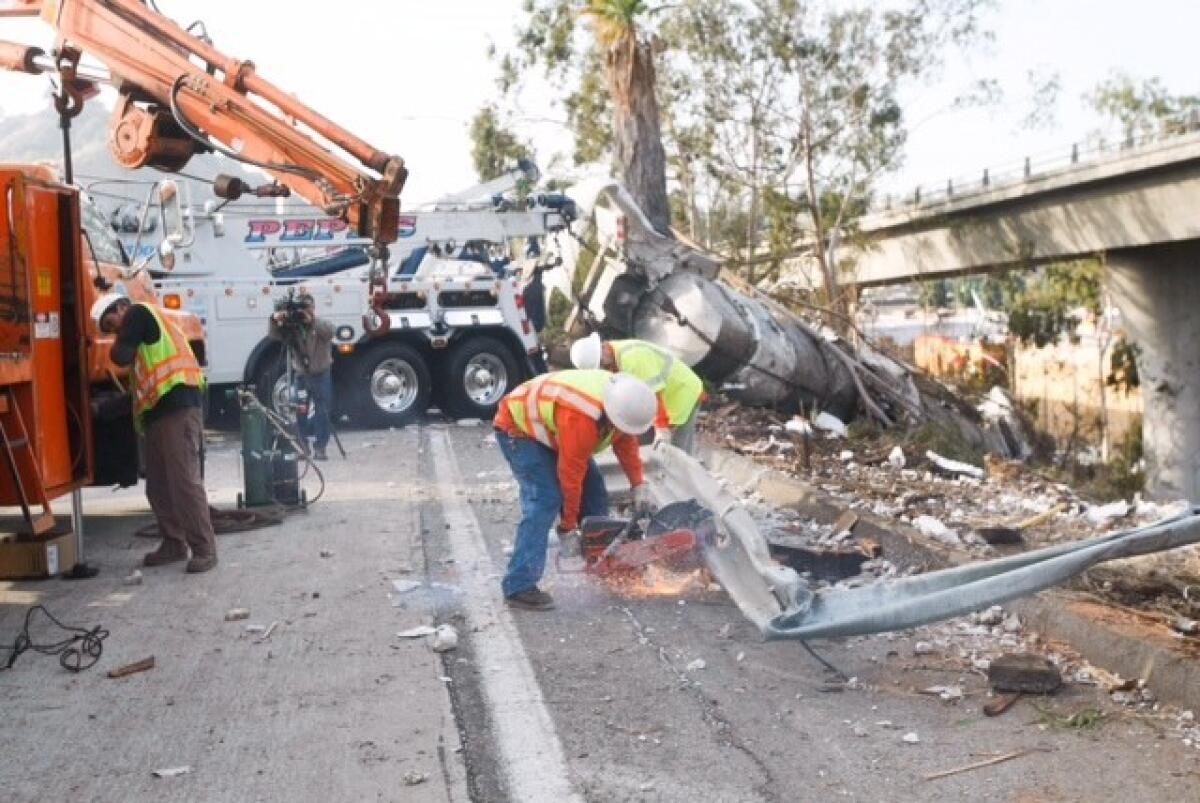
(104,303)
(629,404)
(586,352)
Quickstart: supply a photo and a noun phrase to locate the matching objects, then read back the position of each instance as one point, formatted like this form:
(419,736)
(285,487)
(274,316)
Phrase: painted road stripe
(531,754)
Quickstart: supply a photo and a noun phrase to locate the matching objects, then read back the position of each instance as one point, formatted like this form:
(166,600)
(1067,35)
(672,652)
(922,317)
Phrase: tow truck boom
(179,96)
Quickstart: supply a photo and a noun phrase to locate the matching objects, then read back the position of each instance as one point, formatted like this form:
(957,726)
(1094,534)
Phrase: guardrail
(1092,151)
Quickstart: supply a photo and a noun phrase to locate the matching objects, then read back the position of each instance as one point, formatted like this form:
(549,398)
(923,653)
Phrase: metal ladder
(10,418)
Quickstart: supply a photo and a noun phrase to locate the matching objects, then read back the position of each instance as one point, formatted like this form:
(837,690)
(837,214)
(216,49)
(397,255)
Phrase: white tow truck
(457,335)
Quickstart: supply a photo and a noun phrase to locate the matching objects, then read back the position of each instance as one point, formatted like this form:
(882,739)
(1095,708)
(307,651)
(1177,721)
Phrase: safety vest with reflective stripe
(671,379)
(161,366)
(532,405)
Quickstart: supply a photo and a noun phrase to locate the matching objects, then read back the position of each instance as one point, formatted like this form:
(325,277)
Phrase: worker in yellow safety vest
(677,386)
(548,429)
(167,409)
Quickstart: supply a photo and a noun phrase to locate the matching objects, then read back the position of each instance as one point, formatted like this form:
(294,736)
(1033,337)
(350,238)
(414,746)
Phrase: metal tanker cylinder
(734,340)
(688,314)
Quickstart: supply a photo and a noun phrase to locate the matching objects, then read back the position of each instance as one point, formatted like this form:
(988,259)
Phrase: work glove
(570,542)
(643,504)
(661,437)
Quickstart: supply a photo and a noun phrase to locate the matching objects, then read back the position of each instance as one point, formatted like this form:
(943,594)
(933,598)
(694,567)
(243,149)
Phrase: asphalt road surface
(655,691)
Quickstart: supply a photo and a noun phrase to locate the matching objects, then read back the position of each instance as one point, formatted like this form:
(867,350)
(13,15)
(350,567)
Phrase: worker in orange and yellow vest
(167,409)
(548,430)
(677,386)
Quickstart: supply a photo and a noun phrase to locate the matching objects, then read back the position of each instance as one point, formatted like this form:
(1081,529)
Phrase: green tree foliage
(603,52)
(1045,311)
(795,108)
(495,149)
(1140,106)
(778,116)
(933,293)
(1123,370)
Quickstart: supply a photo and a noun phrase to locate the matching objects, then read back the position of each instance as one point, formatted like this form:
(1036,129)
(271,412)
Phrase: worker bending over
(677,386)
(548,429)
(167,385)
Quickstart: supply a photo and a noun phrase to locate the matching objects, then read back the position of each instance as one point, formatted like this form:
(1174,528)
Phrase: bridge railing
(1093,150)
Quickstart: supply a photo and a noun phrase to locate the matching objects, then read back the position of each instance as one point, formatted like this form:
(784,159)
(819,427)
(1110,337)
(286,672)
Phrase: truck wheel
(478,373)
(270,385)
(391,385)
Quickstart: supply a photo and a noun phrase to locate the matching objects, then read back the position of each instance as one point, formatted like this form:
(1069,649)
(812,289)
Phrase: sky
(407,75)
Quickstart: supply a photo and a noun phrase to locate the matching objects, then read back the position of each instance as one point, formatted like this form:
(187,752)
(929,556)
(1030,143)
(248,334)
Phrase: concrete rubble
(1010,504)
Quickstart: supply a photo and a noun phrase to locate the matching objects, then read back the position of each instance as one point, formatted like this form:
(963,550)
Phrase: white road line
(531,754)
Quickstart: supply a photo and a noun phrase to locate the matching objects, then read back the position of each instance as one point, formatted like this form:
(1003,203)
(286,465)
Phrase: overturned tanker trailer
(628,280)
(782,605)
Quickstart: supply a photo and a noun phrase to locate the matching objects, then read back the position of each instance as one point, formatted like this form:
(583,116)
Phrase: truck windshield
(100,233)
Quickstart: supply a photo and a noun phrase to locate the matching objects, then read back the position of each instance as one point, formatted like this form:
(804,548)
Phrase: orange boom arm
(181,96)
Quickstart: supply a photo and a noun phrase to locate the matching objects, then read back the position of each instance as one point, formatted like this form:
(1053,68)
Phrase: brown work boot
(201,563)
(532,600)
(167,552)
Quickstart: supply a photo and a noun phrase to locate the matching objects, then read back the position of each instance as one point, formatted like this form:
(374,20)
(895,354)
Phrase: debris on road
(143,665)
(414,778)
(798,426)
(999,536)
(405,586)
(979,764)
(327,553)
(172,772)
(237,614)
(896,458)
(938,531)
(1101,514)
(911,738)
(697,665)
(267,633)
(954,467)
(445,638)
(134,578)
(946,693)
(420,631)
(831,425)
(1002,703)
(1024,672)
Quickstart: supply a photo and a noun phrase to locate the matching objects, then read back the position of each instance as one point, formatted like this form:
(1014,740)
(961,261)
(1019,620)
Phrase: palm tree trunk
(636,128)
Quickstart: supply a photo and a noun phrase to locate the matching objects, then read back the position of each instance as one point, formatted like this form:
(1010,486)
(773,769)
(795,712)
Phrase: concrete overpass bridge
(1136,205)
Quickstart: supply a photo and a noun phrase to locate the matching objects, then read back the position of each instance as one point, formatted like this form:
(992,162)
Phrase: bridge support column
(1157,289)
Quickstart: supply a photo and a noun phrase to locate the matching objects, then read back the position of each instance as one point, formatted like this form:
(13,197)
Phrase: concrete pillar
(1157,289)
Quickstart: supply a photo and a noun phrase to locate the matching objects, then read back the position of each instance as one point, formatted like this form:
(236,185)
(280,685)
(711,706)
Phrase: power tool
(612,545)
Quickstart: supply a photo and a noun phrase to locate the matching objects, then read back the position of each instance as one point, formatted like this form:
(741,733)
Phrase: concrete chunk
(1024,672)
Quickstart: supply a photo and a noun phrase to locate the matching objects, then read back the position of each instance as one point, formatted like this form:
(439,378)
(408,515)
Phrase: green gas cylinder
(270,468)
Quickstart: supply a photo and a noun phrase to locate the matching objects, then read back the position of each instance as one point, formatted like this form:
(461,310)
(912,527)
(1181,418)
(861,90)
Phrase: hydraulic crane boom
(180,96)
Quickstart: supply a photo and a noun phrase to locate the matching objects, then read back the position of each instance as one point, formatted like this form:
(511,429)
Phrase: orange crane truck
(177,96)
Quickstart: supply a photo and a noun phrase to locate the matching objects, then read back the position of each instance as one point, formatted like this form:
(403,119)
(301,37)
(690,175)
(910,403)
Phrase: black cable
(841,676)
(198,135)
(78,652)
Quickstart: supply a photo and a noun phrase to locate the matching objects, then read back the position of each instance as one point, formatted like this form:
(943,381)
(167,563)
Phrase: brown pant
(174,486)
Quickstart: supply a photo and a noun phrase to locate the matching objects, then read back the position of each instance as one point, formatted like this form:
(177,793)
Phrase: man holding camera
(309,343)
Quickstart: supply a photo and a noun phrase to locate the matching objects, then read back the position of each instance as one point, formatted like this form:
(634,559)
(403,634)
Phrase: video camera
(296,309)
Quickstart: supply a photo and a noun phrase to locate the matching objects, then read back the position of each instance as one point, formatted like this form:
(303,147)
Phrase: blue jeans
(320,399)
(536,470)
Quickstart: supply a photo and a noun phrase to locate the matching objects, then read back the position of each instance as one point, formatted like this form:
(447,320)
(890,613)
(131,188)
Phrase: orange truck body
(52,359)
